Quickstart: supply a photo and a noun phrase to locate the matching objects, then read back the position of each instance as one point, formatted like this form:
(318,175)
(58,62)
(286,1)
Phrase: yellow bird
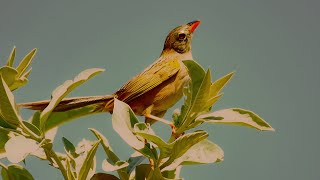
(151,92)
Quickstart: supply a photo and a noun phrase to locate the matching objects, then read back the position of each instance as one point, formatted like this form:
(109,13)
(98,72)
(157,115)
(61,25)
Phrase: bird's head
(179,39)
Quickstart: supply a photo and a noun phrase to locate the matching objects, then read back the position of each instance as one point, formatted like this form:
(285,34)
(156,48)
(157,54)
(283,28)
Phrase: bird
(150,93)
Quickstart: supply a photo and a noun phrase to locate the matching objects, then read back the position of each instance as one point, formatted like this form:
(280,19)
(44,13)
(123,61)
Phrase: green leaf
(88,162)
(111,155)
(70,173)
(173,174)
(26,74)
(8,74)
(142,171)
(11,57)
(60,92)
(16,172)
(197,94)
(106,146)
(18,83)
(219,84)
(103,176)
(7,105)
(236,116)
(203,152)
(32,127)
(69,147)
(106,166)
(134,161)
(3,140)
(58,118)
(5,124)
(123,120)
(25,62)
(183,144)
(165,148)
(18,148)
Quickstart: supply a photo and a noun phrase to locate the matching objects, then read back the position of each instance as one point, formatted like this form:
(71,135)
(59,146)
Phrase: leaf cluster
(153,158)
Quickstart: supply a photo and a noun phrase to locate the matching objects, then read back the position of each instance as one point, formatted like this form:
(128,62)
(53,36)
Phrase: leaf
(172,174)
(11,57)
(32,127)
(103,176)
(219,84)
(165,148)
(70,173)
(123,120)
(203,152)
(183,144)
(69,147)
(18,83)
(142,171)
(105,144)
(58,118)
(5,124)
(236,116)
(134,161)
(25,62)
(111,155)
(60,92)
(3,139)
(18,148)
(88,162)
(16,172)
(106,166)
(197,94)
(8,74)
(7,105)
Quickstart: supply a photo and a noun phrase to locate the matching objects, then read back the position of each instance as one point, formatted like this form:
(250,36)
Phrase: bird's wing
(152,76)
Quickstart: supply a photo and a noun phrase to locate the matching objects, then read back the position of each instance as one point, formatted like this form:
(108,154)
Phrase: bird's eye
(181,36)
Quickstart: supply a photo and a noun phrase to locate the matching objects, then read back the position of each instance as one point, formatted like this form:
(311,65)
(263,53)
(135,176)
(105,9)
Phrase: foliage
(20,138)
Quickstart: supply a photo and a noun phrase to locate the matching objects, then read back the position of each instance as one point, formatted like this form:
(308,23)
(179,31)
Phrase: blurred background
(272,45)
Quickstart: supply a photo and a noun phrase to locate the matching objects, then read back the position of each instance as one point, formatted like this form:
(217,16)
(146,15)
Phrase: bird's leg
(150,116)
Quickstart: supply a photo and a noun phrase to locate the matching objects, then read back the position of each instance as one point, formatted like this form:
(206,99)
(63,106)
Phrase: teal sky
(272,45)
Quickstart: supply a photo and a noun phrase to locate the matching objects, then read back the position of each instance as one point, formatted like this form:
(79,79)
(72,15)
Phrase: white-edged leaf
(165,148)
(60,92)
(217,86)
(236,116)
(203,152)
(8,74)
(3,140)
(25,62)
(7,105)
(106,146)
(11,57)
(88,166)
(197,95)
(106,166)
(123,120)
(58,118)
(51,134)
(183,144)
(16,172)
(18,148)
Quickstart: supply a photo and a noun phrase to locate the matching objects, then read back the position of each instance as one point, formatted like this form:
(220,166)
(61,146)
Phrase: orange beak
(193,25)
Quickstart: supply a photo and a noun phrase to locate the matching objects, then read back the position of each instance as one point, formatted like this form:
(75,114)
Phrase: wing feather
(151,77)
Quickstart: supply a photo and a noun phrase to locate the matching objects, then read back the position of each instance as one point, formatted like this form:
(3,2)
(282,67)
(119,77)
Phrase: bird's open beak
(193,25)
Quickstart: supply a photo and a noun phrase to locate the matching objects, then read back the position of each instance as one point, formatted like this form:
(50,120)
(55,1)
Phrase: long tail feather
(70,103)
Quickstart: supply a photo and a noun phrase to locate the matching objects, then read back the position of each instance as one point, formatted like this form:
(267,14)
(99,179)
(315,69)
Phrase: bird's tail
(104,103)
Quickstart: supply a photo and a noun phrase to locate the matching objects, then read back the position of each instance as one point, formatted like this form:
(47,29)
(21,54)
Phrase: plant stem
(53,155)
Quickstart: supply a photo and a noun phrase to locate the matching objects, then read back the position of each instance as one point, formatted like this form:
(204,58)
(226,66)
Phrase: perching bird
(151,92)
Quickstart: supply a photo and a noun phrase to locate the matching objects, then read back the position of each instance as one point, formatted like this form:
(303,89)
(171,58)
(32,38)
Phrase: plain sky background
(273,45)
